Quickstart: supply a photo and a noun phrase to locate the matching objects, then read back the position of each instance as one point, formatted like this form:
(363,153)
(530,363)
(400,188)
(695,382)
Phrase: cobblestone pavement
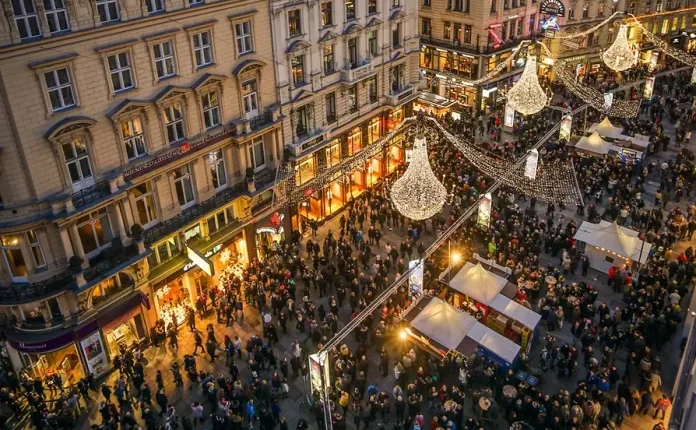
(292,409)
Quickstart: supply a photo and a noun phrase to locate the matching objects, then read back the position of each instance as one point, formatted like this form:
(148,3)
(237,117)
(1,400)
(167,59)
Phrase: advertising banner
(93,348)
(608,100)
(530,169)
(648,88)
(509,119)
(484,211)
(415,282)
(566,126)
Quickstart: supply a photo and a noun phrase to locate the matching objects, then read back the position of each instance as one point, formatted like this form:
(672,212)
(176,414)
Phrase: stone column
(274,148)
(65,240)
(249,234)
(117,218)
(128,211)
(77,243)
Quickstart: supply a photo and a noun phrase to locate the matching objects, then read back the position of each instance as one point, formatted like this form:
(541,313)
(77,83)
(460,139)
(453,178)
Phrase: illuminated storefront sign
(202,262)
(552,7)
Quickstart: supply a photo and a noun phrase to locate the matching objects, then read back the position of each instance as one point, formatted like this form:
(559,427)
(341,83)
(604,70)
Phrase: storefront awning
(40,343)
(121,313)
(435,100)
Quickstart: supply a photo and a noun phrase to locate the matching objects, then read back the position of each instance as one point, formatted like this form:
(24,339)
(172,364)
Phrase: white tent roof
(443,323)
(494,342)
(478,283)
(594,143)
(606,128)
(614,238)
(516,311)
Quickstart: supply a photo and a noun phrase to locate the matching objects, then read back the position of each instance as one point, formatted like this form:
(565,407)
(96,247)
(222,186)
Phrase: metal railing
(91,194)
(193,213)
(261,120)
(22,293)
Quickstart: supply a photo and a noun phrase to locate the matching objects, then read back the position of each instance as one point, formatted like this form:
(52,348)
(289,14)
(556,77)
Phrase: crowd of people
(310,287)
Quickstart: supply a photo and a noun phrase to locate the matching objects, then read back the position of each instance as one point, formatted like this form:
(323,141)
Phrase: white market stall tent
(516,311)
(495,343)
(608,244)
(474,281)
(595,144)
(608,130)
(443,323)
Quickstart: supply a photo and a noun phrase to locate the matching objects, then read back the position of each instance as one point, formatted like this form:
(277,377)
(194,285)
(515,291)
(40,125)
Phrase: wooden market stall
(441,329)
(491,298)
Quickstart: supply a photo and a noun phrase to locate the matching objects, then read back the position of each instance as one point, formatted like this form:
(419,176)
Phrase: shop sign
(181,150)
(566,125)
(552,7)
(415,281)
(550,25)
(571,45)
(648,89)
(484,211)
(45,346)
(199,260)
(93,348)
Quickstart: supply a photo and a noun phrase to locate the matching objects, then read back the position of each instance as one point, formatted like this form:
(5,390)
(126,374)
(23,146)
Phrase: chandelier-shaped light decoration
(526,96)
(620,56)
(418,194)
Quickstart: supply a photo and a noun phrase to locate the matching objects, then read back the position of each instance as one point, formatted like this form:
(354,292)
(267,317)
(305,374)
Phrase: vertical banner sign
(530,169)
(653,60)
(509,119)
(566,125)
(484,211)
(648,88)
(415,282)
(316,368)
(608,100)
(693,76)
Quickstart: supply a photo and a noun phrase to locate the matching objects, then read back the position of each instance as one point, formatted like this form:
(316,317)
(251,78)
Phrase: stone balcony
(352,74)
(399,96)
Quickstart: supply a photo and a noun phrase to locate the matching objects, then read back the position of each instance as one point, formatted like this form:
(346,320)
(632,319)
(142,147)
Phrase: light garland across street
(418,194)
(619,108)
(663,46)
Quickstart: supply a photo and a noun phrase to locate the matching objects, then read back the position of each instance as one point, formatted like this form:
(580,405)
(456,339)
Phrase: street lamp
(453,258)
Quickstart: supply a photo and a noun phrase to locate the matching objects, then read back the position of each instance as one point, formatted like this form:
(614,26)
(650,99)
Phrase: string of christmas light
(619,56)
(457,81)
(555,182)
(417,194)
(526,96)
(619,108)
(663,46)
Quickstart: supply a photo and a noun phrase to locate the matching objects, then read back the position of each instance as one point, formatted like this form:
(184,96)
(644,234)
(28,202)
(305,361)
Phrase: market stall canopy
(443,323)
(614,238)
(494,342)
(516,311)
(478,283)
(607,129)
(594,143)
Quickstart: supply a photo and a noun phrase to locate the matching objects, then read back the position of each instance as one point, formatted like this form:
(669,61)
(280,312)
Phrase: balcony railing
(468,47)
(107,260)
(188,216)
(260,121)
(352,74)
(264,179)
(91,194)
(399,94)
(23,293)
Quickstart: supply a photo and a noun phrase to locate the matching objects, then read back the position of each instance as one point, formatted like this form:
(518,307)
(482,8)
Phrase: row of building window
(60,85)
(95,229)
(28,21)
(327,14)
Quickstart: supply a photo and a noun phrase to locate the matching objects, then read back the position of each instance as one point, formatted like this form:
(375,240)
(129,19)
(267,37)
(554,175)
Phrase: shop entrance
(357,182)
(334,198)
(396,156)
(65,362)
(124,331)
(172,300)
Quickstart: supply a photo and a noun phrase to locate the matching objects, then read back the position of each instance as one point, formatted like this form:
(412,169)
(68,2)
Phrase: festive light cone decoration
(620,56)
(526,96)
(418,194)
